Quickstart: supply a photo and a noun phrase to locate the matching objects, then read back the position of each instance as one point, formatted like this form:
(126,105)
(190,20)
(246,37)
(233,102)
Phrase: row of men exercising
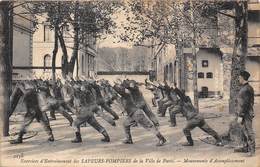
(85,105)
(167,96)
(42,96)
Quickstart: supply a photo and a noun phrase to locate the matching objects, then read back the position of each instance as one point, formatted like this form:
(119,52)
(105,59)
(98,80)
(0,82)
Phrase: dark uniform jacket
(127,99)
(174,97)
(189,111)
(99,98)
(162,89)
(245,101)
(140,102)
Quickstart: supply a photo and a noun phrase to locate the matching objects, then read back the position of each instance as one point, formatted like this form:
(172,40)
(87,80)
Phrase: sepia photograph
(129,83)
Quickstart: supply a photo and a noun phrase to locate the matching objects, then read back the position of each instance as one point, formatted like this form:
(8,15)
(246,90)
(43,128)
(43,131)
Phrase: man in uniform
(194,119)
(139,100)
(101,101)
(94,96)
(55,101)
(175,108)
(85,107)
(245,113)
(166,101)
(156,92)
(134,114)
(173,102)
(32,96)
(110,94)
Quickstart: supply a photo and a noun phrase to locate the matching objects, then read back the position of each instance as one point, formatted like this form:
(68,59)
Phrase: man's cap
(245,75)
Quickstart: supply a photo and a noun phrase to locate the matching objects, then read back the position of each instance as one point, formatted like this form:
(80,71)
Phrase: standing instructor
(245,112)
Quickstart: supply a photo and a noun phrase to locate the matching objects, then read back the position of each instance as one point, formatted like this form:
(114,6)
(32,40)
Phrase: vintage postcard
(126,83)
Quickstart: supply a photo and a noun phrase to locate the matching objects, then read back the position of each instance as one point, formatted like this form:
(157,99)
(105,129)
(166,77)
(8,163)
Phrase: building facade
(22,43)
(213,58)
(43,44)
(32,50)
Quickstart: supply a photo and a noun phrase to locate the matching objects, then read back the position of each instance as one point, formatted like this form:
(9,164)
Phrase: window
(91,63)
(209,75)
(205,63)
(83,68)
(204,92)
(47,33)
(171,72)
(200,75)
(46,61)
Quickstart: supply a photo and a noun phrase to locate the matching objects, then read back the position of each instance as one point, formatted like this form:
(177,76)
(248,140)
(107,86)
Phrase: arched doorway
(46,61)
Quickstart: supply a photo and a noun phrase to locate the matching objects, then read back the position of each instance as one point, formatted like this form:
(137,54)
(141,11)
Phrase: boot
(154,102)
(134,124)
(52,115)
(172,120)
(219,143)
(49,132)
(161,141)
(190,141)
(251,153)
(251,150)
(241,149)
(18,140)
(161,115)
(78,138)
(218,140)
(128,139)
(51,138)
(115,117)
(106,139)
(113,124)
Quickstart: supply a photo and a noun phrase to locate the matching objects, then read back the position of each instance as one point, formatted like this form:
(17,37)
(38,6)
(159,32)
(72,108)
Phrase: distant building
(213,59)
(22,43)
(43,44)
(167,56)
(32,51)
(124,59)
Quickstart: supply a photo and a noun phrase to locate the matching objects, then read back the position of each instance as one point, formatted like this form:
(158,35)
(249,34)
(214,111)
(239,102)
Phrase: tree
(238,59)
(87,18)
(92,19)
(57,15)
(240,14)
(5,62)
(160,23)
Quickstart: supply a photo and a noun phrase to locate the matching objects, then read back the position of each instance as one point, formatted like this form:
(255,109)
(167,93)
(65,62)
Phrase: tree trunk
(194,69)
(180,61)
(75,51)
(65,54)
(194,60)
(54,54)
(77,72)
(5,65)
(76,40)
(238,60)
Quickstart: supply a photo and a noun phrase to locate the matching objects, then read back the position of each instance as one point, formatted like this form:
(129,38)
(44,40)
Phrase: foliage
(87,19)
